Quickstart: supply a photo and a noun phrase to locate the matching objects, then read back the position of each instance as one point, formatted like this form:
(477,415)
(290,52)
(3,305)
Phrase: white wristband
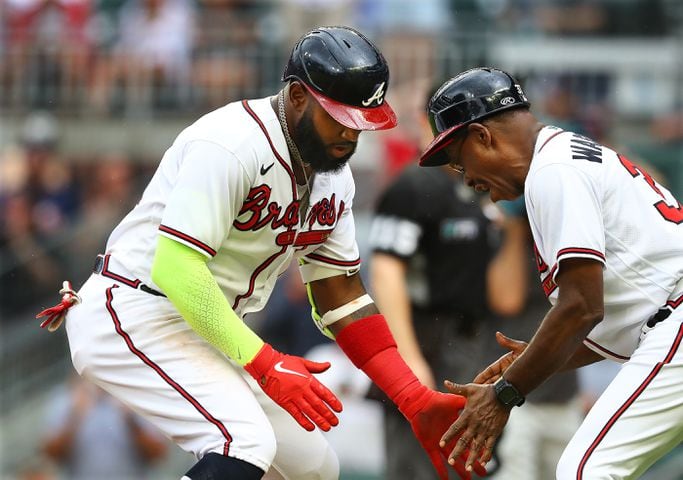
(345,310)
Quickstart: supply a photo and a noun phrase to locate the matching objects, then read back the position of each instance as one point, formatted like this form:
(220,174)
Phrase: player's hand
(476,430)
(493,372)
(288,381)
(430,414)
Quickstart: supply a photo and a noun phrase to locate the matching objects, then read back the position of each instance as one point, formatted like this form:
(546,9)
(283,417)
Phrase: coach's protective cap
(468,97)
(346,74)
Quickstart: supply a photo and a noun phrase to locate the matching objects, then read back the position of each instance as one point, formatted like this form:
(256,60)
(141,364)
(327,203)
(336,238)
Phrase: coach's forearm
(582,356)
(553,345)
(182,274)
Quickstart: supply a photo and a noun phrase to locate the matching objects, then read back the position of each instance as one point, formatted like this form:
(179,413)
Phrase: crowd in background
(100,58)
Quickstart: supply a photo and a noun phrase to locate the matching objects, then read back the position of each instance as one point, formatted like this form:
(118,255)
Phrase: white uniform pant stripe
(163,374)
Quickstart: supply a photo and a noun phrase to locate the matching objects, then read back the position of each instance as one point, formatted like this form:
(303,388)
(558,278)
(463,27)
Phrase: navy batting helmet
(471,96)
(346,74)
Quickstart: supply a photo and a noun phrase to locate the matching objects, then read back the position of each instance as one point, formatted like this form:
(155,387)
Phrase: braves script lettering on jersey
(245,215)
(248,220)
(585,200)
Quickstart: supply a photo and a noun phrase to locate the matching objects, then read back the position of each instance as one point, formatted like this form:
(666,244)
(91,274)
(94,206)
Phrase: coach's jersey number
(669,212)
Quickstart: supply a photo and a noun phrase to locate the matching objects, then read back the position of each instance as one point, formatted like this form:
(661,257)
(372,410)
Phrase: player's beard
(312,148)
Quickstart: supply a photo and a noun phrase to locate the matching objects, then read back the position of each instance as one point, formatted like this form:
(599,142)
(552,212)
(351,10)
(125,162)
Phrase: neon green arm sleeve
(184,277)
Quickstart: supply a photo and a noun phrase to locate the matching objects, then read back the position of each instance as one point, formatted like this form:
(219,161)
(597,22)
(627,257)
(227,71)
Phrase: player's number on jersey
(670,213)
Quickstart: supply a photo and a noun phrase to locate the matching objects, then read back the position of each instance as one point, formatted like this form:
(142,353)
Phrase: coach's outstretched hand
(478,426)
(288,381)
(494,371)
(430,415)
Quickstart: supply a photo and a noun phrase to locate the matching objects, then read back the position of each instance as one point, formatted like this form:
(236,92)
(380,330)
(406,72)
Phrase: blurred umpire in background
(439,274)
(609,250)
(241,193)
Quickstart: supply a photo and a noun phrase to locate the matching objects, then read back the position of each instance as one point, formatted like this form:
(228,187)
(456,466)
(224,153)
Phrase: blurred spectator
(92,436)
(39,200)
(439,278)
(48,40)
(28,269)
(50,183)
(38,469)
(560,105)
(300,16)
(152,55)
(572,17)
(574,101)
(227,50)
(668,129)
(408,32)
(400,146)
(109,192)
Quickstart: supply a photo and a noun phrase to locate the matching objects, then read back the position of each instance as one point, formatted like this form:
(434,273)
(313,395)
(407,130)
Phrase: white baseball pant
(138,348)
(639,417)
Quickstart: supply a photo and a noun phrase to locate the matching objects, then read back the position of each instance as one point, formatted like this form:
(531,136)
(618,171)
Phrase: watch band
(507,393)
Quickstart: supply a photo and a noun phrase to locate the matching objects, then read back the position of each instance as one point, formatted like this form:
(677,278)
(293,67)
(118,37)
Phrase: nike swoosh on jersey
(265,169)
(279,368)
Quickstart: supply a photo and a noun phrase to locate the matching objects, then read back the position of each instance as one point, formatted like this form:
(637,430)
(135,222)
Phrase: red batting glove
(288,381)
(430,413)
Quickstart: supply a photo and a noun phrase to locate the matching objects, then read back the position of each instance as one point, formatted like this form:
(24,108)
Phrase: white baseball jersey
(226,188)
(585,200)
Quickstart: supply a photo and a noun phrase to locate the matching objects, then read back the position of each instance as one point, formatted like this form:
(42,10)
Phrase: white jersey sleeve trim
(318,267)
(186,240)
(310,272)
(578,252)
(599,349)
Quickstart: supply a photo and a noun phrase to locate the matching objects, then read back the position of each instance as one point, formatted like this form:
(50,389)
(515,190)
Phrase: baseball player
(241,193)
(609,245)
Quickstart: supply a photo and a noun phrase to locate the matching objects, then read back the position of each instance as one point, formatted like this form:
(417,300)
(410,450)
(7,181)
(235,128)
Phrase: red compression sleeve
(371,347)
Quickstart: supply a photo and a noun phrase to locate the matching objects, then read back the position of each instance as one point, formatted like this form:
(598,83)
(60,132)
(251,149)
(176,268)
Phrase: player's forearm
(365,338)
(582,356)
(182,274)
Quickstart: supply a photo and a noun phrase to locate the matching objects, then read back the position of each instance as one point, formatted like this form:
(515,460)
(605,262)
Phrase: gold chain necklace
(293,151)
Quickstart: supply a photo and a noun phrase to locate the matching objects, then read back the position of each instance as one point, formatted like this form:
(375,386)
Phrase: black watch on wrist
(507,394)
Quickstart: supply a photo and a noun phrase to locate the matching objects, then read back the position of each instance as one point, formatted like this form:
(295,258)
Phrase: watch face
(507,395)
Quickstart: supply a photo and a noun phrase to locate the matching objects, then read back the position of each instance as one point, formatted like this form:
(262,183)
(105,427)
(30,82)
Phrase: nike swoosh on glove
(288,380)
(430,414)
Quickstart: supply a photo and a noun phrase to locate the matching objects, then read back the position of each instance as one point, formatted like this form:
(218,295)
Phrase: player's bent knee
(322,466)
(214,466)
(329,466)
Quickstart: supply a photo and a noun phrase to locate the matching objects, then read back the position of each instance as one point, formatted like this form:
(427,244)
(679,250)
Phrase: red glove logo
(279,368)
(288,380)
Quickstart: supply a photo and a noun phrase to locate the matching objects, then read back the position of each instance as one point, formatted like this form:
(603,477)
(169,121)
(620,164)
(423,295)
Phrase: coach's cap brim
(434,156)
